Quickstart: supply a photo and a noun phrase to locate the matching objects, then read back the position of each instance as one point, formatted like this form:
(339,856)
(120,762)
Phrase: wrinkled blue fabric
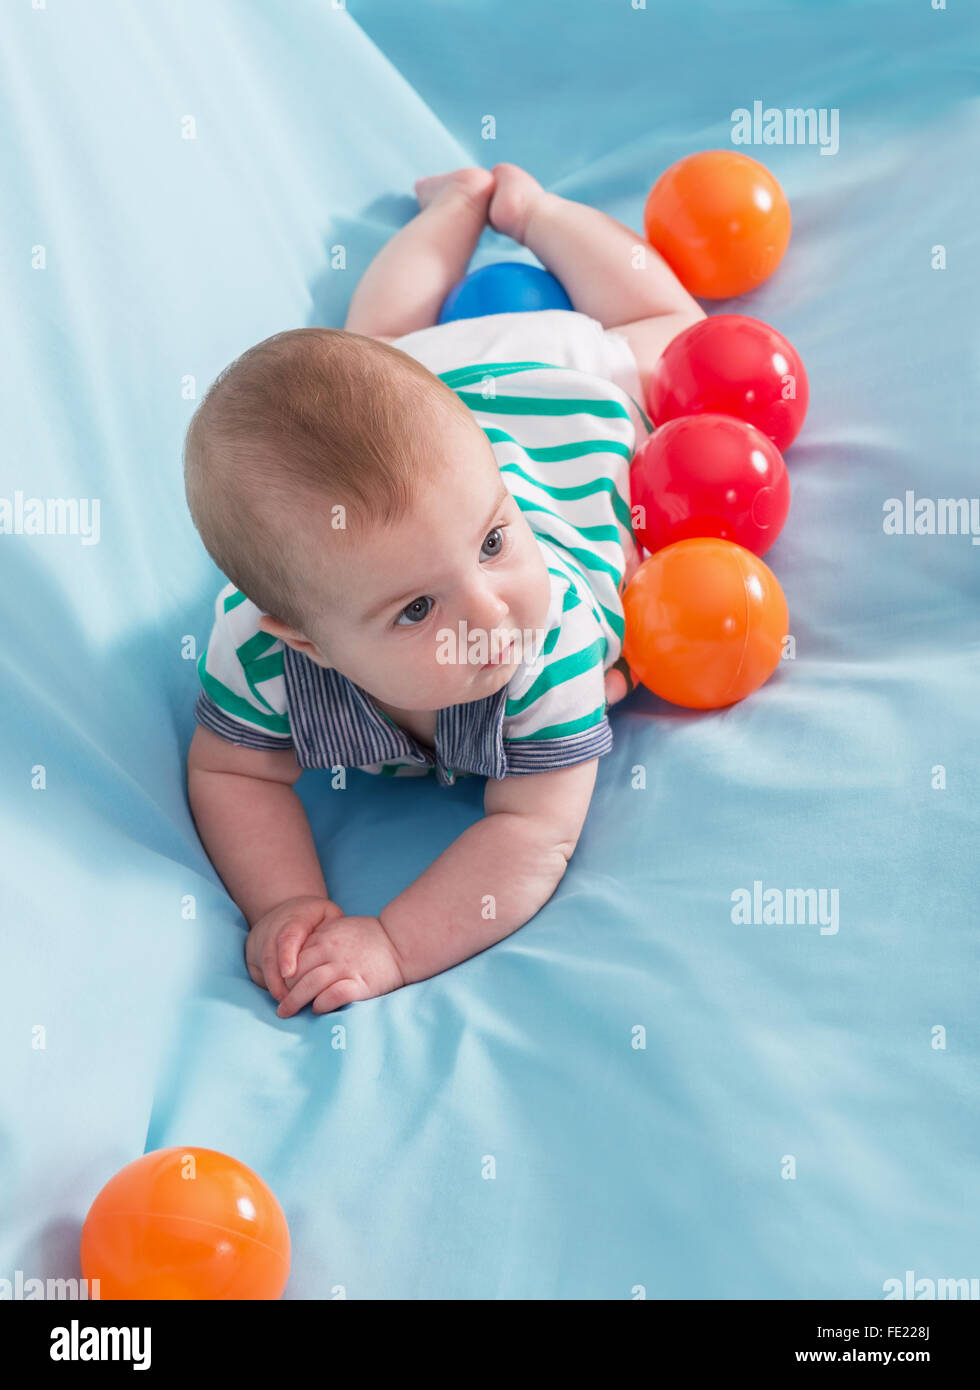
(633,1093)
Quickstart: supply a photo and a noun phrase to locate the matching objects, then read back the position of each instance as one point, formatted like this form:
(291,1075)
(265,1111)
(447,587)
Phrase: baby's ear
(290,635)
(275,628)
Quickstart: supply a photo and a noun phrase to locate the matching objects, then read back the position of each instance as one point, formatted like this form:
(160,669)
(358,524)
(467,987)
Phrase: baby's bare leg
(405,285)
(609,271)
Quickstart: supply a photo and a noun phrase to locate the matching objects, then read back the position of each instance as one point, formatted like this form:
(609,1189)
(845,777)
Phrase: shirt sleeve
(243,685)
(555,714)
(561,337)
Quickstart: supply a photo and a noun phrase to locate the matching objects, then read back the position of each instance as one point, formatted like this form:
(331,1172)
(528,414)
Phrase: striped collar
(334,722)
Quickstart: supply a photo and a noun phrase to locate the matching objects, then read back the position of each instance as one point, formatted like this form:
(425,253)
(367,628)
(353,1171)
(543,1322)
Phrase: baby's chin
(477,683)
(488,678)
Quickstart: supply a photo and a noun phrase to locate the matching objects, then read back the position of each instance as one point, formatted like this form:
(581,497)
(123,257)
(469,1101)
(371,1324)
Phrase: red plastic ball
(732,365)
(720,220)
(705,623)
(186,1224)
(709,475)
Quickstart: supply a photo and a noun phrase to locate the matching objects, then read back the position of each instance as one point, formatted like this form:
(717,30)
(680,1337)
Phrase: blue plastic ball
(506,287)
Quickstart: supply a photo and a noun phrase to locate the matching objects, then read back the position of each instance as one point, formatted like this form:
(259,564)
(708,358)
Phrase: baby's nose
(487,607)
(496,614)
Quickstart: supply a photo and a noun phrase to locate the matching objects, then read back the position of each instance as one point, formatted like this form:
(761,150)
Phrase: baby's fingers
(279,958)
(289,942)
(314,982)
(274,982)
(341,992)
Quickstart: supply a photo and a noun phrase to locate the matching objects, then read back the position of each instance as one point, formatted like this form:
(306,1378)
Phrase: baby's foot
(473,183)
(513,200)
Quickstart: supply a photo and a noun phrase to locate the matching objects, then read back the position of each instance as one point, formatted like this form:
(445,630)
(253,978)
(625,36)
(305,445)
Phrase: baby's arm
(496,875)
(252,823)
(489,882)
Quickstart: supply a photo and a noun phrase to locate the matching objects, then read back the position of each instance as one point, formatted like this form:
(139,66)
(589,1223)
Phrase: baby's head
(350,494)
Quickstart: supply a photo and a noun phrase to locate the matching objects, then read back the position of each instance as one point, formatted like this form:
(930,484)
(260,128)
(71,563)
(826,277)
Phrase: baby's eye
(411,611)
(414,611)
(497,531)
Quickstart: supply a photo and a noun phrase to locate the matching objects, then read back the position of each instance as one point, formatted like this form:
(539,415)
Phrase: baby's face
(464,563)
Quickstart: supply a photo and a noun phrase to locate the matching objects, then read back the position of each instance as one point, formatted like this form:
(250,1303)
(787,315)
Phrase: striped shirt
(556,396)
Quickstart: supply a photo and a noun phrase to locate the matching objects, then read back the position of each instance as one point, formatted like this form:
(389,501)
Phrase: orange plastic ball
(705,623)
(186,1224)
(721,222)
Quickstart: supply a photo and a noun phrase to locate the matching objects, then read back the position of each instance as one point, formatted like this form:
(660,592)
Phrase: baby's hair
(309,416)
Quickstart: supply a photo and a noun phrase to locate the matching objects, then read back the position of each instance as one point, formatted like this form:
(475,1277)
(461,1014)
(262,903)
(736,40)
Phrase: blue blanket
(640,1092)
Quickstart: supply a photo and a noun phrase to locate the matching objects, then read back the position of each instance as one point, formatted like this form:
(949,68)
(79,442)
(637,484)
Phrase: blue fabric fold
(651,1089)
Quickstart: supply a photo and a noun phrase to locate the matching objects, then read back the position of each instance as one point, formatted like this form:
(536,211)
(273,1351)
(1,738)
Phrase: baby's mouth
(500,660)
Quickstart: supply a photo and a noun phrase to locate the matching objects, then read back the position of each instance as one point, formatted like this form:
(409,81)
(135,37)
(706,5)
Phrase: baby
(428,533)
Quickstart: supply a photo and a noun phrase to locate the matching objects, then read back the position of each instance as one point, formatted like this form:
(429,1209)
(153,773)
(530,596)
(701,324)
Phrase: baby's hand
(621,680)
(274,941)
(343,960)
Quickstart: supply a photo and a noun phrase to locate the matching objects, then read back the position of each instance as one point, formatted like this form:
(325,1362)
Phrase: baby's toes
(473,183)
(514,196)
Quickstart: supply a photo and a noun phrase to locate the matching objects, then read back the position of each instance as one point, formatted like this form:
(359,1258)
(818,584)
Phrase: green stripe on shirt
(543,405)
(556,453)
(565,669)
(589,558)
(464,376)
(572,726)
(236,706)
(577,492)
(614,620)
